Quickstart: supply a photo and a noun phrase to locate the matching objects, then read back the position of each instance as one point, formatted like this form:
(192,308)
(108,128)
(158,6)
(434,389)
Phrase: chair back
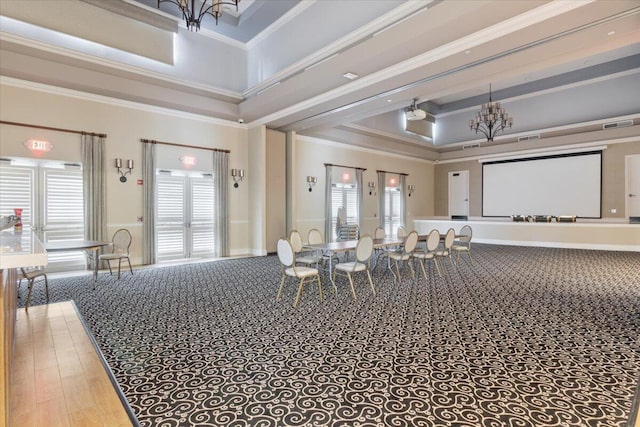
(401,232)
(364,248)
(449,238)
(121,241)
(465,234)
(380,233)
(410,242)
(296,240)
(315,237)
(433,240)
(285,252)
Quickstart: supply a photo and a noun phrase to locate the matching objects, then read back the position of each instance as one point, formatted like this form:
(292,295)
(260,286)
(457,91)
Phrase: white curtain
(360,197)
(221,203)
(328,232)
(149,203)
(94,193)
(382,186)
(403,200)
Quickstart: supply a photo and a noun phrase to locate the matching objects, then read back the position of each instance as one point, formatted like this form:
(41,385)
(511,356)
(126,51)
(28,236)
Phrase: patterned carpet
(523,337)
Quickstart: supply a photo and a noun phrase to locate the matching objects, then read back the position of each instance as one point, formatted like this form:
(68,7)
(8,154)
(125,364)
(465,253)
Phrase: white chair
(31,275)
(364,249)
(120,244)
(445,252)
(429,254)
(379,233)
(401,232)
(404,255)
(296,243)
(462,243)
(288,260)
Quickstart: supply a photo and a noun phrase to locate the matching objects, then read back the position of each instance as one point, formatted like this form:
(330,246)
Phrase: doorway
(632,187)
(459,194)
(184,215)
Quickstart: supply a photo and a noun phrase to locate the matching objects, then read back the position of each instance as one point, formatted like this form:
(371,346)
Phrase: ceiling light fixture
(491,119)
(350,76)
(193,18)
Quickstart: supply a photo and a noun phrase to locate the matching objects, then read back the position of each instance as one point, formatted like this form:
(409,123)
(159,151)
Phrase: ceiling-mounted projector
(416,114)
(413,112)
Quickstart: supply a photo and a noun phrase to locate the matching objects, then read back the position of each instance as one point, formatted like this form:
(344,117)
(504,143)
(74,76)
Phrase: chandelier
(491,119)
(193,18)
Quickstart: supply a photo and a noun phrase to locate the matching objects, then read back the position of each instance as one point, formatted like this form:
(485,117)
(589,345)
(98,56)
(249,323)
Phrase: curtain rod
(397,173)
(152,141)
(343,166)
(79,132)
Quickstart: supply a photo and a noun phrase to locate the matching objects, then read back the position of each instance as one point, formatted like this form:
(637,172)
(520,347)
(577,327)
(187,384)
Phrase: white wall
(310,156)
(125,124)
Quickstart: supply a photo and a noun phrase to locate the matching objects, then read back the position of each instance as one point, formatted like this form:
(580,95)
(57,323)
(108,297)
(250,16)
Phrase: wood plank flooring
(58,378)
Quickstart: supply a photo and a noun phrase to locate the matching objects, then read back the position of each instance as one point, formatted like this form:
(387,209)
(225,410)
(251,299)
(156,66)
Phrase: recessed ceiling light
(389,100)
(610,33)
(350,76)
(467,52)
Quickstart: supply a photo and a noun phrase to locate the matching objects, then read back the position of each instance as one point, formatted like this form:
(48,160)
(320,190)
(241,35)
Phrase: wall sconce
(372,187)
(237,175)
(119,167)
(411,188)
(311,182)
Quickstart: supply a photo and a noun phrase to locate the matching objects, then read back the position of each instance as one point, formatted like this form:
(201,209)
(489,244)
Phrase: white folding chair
(120,244)
(404,255)
(364,249)
(462,243)
(429,254)
(289,269)
(309,258)
(445,252)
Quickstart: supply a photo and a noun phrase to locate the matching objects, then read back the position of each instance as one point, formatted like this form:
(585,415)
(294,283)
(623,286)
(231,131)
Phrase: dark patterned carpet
(523,337)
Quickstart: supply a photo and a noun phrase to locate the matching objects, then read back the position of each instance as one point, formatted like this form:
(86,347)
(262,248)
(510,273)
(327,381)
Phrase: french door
(184,215)
(51,198)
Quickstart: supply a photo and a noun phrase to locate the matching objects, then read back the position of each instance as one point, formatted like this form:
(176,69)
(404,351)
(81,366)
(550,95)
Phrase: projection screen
(568,184)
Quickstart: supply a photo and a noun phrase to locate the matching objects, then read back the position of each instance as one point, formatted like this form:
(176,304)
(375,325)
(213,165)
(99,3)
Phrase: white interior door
(459,193)
(633,186)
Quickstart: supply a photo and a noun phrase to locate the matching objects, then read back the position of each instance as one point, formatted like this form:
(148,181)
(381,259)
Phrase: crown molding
(71,93)
(279,23)
(384,134)
(361,149)
(139,71)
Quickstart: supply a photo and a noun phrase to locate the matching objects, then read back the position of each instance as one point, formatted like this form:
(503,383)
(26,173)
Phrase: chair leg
(373,289)
(295,303)
(280,288)
(109,265)
(424,272)
(353,290)
(26,306)
(119,265)
(436,261)
(319,286)
(46,287)
(413,272)
(129,262)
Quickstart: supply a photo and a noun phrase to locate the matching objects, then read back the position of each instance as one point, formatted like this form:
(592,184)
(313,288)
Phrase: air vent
(464,147)
(528,137)
(622,124)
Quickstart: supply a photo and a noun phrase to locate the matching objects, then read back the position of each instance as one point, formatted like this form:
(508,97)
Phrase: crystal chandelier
(193,18)
(491,119)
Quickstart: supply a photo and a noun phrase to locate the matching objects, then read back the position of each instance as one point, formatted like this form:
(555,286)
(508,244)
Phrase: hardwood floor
(58,378)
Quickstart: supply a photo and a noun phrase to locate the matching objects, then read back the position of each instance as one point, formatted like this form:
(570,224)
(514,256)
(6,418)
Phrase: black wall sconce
(311,182)
(123,174)
(411,188)
(372,187)
(237,175)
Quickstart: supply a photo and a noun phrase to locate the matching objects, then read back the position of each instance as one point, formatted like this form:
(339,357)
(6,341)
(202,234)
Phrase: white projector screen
(553,185)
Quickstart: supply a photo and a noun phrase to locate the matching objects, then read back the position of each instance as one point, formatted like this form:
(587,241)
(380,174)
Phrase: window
(51,196)
(184,215)
(344,195)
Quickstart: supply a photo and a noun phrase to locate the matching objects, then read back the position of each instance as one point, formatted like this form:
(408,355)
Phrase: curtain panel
(328,233)
(360,197)
(403,200)
(382,186)
(149,203)
(221,203)
(94,188)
